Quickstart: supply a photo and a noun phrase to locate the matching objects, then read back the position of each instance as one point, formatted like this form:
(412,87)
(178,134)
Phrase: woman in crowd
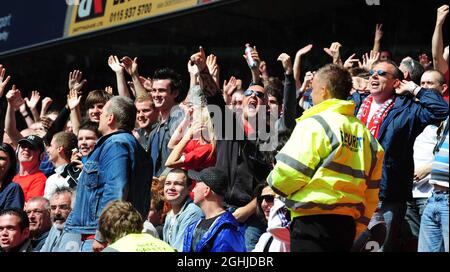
(11,194)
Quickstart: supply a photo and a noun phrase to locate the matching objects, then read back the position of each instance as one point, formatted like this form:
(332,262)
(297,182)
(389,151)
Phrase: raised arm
(437,43)
(76,80)
(32,104)
(228,89)
(193,74)
(181,129)
(334,52)
(298,66)
(73,102)
(119,69)
(207,82)
(131,66)
(370,59)
(14,101)
(213,68)
(175,158)
(26,115)
(254,68)
(378,37)
(289,92)
(3,82)
(46,102)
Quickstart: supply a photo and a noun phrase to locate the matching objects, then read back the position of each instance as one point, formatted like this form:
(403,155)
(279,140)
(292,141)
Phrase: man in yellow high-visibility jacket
(330,169)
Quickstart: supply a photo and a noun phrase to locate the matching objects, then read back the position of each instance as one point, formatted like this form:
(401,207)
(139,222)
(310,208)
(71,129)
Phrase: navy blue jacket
(404,122)
(224,231)
(11,196)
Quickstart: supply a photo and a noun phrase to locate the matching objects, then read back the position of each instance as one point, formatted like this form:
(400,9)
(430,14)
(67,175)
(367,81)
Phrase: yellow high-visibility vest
(139,242)
(330,165)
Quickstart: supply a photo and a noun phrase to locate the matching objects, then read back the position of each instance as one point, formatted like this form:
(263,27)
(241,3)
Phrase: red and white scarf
(374,123)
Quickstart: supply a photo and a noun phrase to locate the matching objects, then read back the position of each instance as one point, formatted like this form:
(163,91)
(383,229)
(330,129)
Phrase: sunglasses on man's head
(257,93)
(379,72)
(267,198)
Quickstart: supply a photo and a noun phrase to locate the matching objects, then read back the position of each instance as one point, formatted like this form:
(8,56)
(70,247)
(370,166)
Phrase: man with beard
(60,206)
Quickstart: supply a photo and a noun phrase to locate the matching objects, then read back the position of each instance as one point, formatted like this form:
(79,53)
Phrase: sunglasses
(267,198)
(250,92)
(379,72)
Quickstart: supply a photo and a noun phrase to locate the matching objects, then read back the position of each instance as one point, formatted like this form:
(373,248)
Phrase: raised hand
(14,98)
(230,86)
(297,63)
(369,60)
(131,86)
(405,87)
(73,100)
(349,62)
(45,104)
(147,83)
(286,62)
(199,59)
(442,13)
(263,68)
(213,67)
(75,81)
(304,50)
(192,68)
(109,90)
(334,52)
(33,101)
(378,32)
(46,122)
(3,80)
(254,56)
(211,62)
(307,81)
(131,66)
(115,64)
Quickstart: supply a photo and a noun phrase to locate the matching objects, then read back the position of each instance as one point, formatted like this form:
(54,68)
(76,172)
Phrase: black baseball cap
(34,141)
(215,178)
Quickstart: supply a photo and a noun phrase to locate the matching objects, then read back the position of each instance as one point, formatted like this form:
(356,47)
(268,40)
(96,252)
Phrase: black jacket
(239,157)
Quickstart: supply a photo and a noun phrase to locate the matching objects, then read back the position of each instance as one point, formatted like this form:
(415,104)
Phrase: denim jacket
(117,169)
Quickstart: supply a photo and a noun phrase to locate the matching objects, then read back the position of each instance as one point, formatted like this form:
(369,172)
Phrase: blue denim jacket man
(117,168)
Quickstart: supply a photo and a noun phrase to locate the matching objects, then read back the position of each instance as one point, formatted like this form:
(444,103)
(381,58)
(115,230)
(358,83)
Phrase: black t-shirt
(201,229)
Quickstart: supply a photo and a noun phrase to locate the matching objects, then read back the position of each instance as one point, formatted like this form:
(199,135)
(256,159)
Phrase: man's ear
(406,75)
(444,88)
(176,93)
(397,83)
(111,119)
(207,192)
(325,93)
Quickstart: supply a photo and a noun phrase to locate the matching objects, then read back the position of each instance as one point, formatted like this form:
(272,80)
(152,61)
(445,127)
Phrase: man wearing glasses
(59,240)
(396,112)
(239,147)
(38,211)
